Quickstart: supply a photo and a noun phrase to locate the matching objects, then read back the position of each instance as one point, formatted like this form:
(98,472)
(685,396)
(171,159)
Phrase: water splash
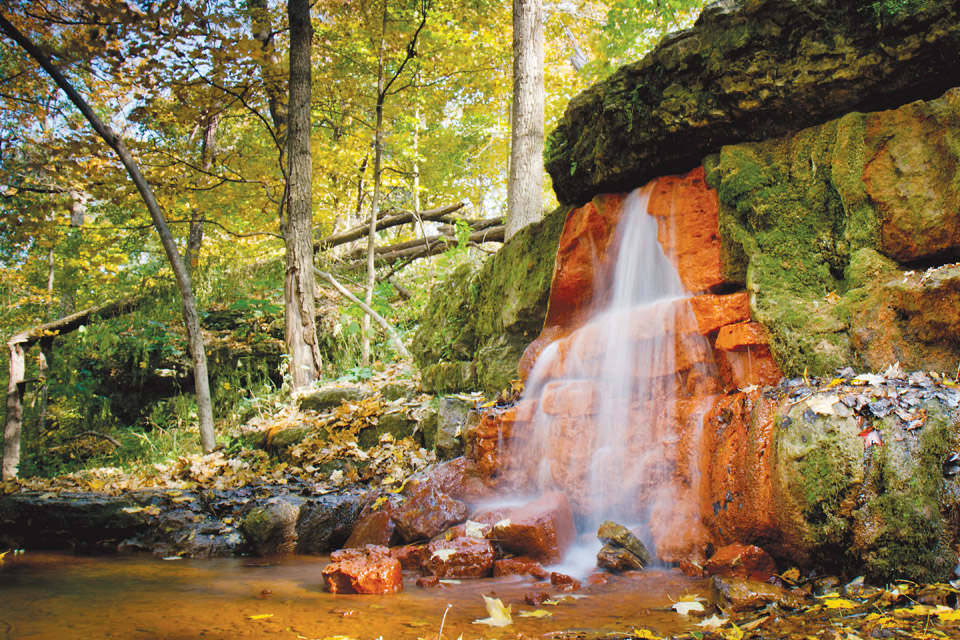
(611,410)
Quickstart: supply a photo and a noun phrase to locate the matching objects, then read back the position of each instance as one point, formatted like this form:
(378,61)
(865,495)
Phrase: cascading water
(609,409)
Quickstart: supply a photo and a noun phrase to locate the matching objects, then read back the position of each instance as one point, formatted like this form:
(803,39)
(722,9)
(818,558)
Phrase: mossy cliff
(827,227)
(478,322)
(749,71)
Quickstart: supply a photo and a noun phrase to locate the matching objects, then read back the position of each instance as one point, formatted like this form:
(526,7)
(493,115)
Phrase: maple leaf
(686,608)
(823,405)
(499,615)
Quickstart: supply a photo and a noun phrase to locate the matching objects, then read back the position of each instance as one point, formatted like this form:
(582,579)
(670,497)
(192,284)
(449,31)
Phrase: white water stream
(606,429)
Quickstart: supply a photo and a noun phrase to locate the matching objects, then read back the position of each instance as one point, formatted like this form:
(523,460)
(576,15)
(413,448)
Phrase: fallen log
(425,247)
(391,220)
(446,236)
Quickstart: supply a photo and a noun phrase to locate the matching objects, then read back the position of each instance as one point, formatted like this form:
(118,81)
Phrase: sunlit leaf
(260,616)
(536,613)
(498,615)
(686,608)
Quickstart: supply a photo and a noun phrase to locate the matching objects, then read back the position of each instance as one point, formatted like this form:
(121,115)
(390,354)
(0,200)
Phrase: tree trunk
(375,204)
(299,283)
(525,185)
(195,234)
(190,316)
(14,423)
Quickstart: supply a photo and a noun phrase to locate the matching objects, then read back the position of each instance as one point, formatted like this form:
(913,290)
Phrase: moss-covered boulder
(749,71)
(857,474)
(826,226)
(480,319)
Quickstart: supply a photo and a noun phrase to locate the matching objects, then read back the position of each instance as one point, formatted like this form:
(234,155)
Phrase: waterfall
(610,411)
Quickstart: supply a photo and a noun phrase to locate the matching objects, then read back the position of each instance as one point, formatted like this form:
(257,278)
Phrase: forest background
(196,90)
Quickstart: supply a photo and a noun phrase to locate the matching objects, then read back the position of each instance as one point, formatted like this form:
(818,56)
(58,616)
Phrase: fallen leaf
(261,616)
(536,613)
(475,529)
(499,615)
(443,554)
(645,634)
(823,405)
(839,603)
(685,608)
(792,575)
(713,622)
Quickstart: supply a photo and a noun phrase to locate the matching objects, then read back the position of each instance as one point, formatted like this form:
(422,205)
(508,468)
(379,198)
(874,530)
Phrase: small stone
(428,582)
(738,595)
(536,598)
(741,561)
(611,533)
(563,582)
(519,566)
(617,559)
(410,556)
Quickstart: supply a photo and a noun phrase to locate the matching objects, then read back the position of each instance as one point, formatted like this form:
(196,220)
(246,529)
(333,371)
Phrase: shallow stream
(65,597)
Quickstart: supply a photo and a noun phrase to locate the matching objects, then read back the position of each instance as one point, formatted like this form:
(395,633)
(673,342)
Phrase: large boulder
(749,71)
(826,226)
(859,477)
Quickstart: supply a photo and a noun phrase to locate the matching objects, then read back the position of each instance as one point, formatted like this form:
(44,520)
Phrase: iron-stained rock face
(748,71)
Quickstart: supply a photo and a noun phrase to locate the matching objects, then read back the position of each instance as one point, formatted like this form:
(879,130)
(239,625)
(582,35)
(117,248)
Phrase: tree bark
(190,316)
(431,246)
(299,283)
(525,184)
(195,234)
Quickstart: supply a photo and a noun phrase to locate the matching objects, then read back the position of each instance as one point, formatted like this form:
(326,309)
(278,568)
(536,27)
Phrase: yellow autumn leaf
(498,615)
(792,575)
(260,616)
(839,603)
(645,634)
(946,614)
(537,613)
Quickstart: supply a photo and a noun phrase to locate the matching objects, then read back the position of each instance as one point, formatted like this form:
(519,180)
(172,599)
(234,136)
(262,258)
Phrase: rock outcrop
(749,71)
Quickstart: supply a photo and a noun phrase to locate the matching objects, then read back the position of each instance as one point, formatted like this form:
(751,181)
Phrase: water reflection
(58,597)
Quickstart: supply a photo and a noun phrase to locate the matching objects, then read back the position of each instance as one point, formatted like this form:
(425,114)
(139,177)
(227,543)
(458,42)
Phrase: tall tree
(525,185)
(190,315)
(299,282)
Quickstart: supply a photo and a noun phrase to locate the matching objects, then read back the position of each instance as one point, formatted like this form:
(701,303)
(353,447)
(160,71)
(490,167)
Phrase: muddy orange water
(64,597)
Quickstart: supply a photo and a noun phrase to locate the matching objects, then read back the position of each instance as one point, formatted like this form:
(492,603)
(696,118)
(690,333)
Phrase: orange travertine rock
(370,570)
(542,530)
(687,209)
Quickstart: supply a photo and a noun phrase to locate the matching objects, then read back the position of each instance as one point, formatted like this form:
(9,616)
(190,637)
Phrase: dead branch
(389,330)
(392,220)
(96,434)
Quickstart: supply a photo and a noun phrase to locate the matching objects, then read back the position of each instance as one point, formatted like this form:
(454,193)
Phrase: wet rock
(331,397)
(34,520)
(463,557)
(459,478)
(617,559)
(370,570)
(325,522)
(519,566)
(542,530)
(536,598)
(374,526)
(427,512)
(271,529)
(563,582)
(616,535)
(428,582)
(692,569)
(410,556)
(738,595)
(485,438)
(187,533)
(744,68)
(741,561)
(597,580)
